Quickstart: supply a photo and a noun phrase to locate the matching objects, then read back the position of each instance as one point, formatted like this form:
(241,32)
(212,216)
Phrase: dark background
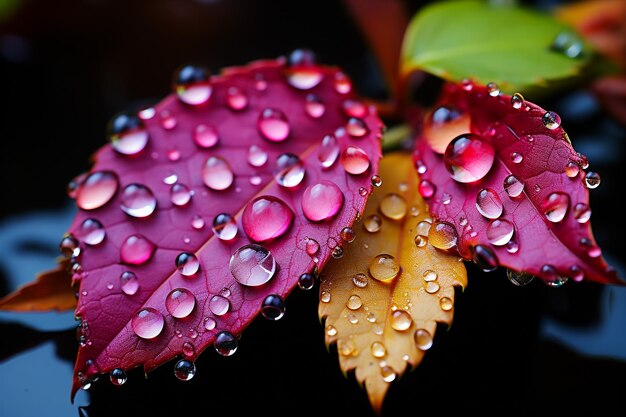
(68,66)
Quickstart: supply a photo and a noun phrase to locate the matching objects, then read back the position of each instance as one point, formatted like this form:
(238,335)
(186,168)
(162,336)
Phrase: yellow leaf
(52,290)
(381,322)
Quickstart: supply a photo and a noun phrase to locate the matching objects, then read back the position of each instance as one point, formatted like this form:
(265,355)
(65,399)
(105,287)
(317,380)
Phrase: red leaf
(242,100)
(532,147)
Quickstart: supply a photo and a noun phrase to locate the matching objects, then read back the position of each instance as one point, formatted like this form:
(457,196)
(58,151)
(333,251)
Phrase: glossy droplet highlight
(187,264)
(376,181)
(91,232)
(306,281)
(331,330)
(225,227)
(517,101)
(551,120)
(519,278)
(311,246)
(304,77)
(273,307)
(236,99)
(252,265)
(582,213)
(180,302)
(401,320)
(118,376)
(423,339)
(219,305)
(488,203)
(354,302)
(217,173)
(129,283)
(322,201)
(147,323)
(325,297)
(197,222)
(209,323)
(138,201)
(384,268)
(347,234)
(180,194)
(378,350)
(192,85)
(184,370)
(429,275)
(393,206)
(568,44)
(372,223)
(354,160)
(343,85)
(273,125)
(572,169)
(592,180)
(205,136)
(426,188)
(555,206)
(96,190)
(314,106)
(290,170)
(493,90)
(226,343)
(329,151)
(443,235)
(517,157)
(360,280)
(388,373)
(500,232)
(485,258)
(136,250)
(356,128)
(513,187)
(128,134)
(355,109)
(468,158)
(446,303)
(266,217)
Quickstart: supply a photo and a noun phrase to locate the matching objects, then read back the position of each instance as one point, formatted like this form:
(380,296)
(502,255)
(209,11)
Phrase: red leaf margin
(106,312)
(545,154)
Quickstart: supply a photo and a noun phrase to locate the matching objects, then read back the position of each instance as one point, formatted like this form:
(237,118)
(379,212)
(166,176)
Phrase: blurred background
(68,66)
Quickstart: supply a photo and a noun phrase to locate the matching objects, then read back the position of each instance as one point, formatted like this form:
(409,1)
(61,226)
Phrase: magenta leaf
(207,208)
(504,183)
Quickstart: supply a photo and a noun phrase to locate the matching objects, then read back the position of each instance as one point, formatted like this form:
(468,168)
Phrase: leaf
(51,290)
(192,186)
(374,323)
(534,206)
(511,46)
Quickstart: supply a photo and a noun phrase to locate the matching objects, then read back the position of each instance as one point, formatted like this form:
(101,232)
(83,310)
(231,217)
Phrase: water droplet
(219,305)
(180,194)
(273,307)
(312,247)
(337,252)
(354,160)
(205,136)
(468,158)
(484,257)
(429,275)
(128,134)
(517,101)
(322,201)
(304,77)
(343,85)
(362,192)
(572,169)
(384,268)
(226,343)
(446,303)
(192,85)
(170,179)
(356,128)
(513,186)
(352,318)
(129,283)
(423,339)
(378,349)
(393,206)
(426,188)
(184,370)
(146,113)
(519,278)
(347,348)
(347,235)
(209,323)
(173,155)
(517,157)
(354,302)
(388,373)
(551,120)
(306,281)
(582,213)
(446,199)
(376,181)
(290,172)
(236,99)
(568,44)
(189,350)
(96,190)
(147,323)
(136,250)
(168,122)
(500,232)
(188,264)
(225,227)
(442,235)
(197,222)
(493,89)
(118,376)
(325,297)
(331,330)
(252,265)
(217,173)
(91,232)
(401,320)
(432,287)
(576,273)
(266,217)
(360,280)
(555,206)
(488,203)
(592,180)
(273,125)
(314,106)
(180,302)
(138,201)
(551,277)
(372,223)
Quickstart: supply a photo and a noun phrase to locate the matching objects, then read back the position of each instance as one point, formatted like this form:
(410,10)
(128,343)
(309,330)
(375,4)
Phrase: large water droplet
(513,186)
(384,268)
(129,283)
(96,190)
(91,232)
(252,265)
(184,370)
(266,217)
(568,44)
(393,206)
(225,227)
(572,169)
(322,201)
(192,85)
(519,278)
(180,194)
(290,172)
(314,106)
(273,125)
(180,302)
(303,76)
(354,160)
(219,305)
(347,234)
(488,203)
(551,120)
(592,180)
(147,323)
(500,232)
(306,281)
(138,201)
(356,127)
(128,134)
(205,136)
(329,151)
(468,158)
(236,99)
(226,343)
(555,206)
(217,173)
(388,373)
(485,258)
(273,307)
(136,250)
(378,350)
(443,235)
(423,339)
(426,188)
(372,223)
(188,264)
(582,213)
(401,320)
(118,376)
(354,302)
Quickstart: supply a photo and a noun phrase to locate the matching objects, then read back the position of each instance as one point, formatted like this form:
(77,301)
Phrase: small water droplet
(314,106)
(168,121)
(592,180)
(360,280)
(426,188)
(443,235)
(493,90)
(306,281)
(393,206)
(488,203)
(582,213)
(331,330)
(219,305)
(347,235)
(429,275)
(170,179)
(401,320)
(432,287)
(576,273)
(347,348)
(118,376)
(500,232)
(311,246)
(273,125)
(343,85)
(252,265)
(129,283)
(388,373)
(468,158)
(356,128)
(423,339)
(184,370)
(138,201)
(519,279)
(568,44)
(555,206)
(376,181)
(180,194)
(146,113)
(517,101)
(128,134)
(96,190)
(188,264)
(147,323)
(485,258)
(322,201)
(290,170)
(512,246)
(362,192)
(180,302)
(352,318)
(226,343)
(205,136)
(91,232)
(236,99)
(354,160)
(329,151)
(572,169)
(273,307)
(225,227)
(551,120)
(304,76)
(325,297)
(372,223)
(354,302)
(197,222)
(513,186)
(516,157)
(266,218)
(209,323)
(551,277)
(384,268)
(217,173)
(173,155)
(337,252)
(136,250)
(378,349)
(446,303)
(257,156)
(192,85)
(355,109)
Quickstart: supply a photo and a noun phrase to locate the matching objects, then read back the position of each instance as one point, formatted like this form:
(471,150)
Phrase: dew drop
(493,89)
(360,280)
(209,323)
(484,257)
(329,151)
(517,157)
(443,235)
(592,180)
(378,349)
(226,343)
(393,206)
(356,128)
(273,307)
(188,264)
(225,227)
(347,234)
(551,120)
(488,203)
(180,194)
(322,201)
(184,370)
(354,160)
(372,223)
(325,297)
(205,136)
(337,252)
(180,302)
(512,246)
(168,122)
(519,279)
(517,101)
(136,250)
(266,217)
(429,275)
(217,173)
(306,281)
(252,265)
(446,303)
(500,232)
(343,85)
(219,305)
(311,246)
(273,125)
(576,273)
(555,206)
(192,85)
(304,77)
(355,109)
(426,188)
(236,99)
(423,339)
(290,172)
(362,192)
(551,277)
(352,318)
(314,106)
(138,201)
(376,181)
(147,323)
(146,113)
(129,283)
(388,373)
(96,190)
(128,134)
(432,287)
(572,169)
(197,222)
(468,158)
(582,213)
(331,330)
(354,302)
(384,268)
(118,376)
(189,350)
(513,186)
(91,232)
(401,320)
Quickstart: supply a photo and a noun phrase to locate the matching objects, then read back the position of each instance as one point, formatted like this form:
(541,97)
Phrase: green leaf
(511,46)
